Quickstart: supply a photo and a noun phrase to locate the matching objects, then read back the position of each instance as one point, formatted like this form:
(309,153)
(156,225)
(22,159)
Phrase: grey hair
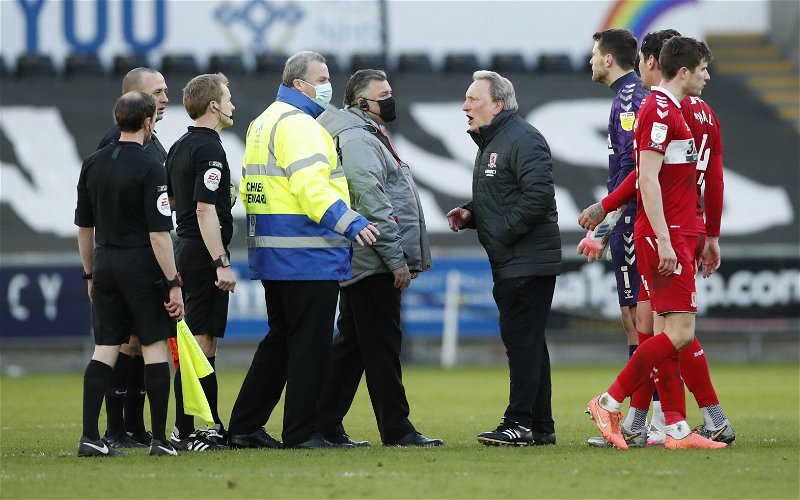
(297,65)
(500,88)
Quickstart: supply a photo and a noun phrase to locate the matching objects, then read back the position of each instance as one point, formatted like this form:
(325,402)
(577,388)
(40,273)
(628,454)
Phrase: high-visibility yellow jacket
(299,222)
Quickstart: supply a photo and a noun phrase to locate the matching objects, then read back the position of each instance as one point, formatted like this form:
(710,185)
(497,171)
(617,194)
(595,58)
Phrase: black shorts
(128,297)
(206,305)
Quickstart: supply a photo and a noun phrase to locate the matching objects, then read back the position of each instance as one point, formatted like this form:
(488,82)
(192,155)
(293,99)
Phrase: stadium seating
(35,65)
(271,62)
(367,61)
(230,64)
(179,64)
(461,63)
(82,64)
(414,63)
(512,62)
(554,63)
(126,62)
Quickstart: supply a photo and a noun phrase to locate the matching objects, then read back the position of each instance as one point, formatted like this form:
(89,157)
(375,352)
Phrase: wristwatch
(176,281)
(86,276)
(223,261)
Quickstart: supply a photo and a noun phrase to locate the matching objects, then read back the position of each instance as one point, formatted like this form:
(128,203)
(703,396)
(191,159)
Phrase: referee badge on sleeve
(211,179)
(163,205)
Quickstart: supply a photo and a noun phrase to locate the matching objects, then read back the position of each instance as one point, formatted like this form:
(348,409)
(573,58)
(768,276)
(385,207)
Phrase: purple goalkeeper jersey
(629,95)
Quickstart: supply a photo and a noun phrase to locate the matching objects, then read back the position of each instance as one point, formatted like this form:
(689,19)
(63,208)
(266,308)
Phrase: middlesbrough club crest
(491,168)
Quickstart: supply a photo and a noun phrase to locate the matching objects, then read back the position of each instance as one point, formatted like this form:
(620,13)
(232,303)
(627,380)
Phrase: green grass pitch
(40,416)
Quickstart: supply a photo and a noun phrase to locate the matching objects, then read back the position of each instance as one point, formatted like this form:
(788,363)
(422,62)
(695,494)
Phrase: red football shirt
(660,127)
(705,129)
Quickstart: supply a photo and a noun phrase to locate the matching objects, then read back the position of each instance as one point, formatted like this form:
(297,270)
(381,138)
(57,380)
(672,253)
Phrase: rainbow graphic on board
(638,15)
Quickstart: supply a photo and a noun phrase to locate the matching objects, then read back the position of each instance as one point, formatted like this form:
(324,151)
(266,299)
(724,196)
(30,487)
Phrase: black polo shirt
(122,193)
(197,170)
(152,147)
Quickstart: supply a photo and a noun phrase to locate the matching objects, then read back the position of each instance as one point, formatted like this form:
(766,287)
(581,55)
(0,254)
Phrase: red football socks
(694,370)
(649,355)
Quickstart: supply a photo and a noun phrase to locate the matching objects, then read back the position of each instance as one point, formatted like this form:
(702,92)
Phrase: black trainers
(160,448)
(122,441)
(507,434)
(99,448)
(200,440)
(256,439)
(144,438)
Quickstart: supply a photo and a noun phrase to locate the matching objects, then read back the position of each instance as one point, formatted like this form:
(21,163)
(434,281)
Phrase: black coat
(513,199)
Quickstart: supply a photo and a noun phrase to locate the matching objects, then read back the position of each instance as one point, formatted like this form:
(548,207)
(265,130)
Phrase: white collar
(667,92)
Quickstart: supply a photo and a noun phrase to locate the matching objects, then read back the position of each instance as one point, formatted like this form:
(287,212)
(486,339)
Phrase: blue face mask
(324,92)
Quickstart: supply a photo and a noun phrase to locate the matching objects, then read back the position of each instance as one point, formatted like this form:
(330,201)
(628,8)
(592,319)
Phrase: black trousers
(369,340)
(294,353)
(524,305)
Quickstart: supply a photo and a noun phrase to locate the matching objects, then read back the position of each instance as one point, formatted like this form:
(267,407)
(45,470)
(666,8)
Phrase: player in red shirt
(694,366)
(665,239)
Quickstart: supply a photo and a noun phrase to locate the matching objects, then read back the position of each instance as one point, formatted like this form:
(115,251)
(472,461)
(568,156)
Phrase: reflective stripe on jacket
(298,218)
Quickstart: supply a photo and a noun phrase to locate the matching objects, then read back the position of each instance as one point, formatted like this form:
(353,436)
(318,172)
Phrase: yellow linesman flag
(193,365)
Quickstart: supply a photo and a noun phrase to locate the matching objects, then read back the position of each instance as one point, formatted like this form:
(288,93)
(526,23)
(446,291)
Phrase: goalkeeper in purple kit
(613,59)
(612,62)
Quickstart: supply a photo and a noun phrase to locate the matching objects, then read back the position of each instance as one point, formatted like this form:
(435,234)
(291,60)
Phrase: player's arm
(596,213)
(650,163)
(208,221)
(711,257)
(86,249)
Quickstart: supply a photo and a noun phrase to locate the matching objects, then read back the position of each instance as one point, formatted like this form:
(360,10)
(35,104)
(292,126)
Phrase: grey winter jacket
(513,199)
(381,190)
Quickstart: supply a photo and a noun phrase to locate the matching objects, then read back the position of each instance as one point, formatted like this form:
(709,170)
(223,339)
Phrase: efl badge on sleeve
(659,133)
(626,120)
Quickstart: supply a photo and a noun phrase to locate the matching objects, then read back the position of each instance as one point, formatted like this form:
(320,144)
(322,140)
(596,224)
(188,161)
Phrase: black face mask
(386,112)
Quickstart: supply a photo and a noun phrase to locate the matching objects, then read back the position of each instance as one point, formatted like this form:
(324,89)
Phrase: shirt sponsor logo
(216,164)
(626,120)
(658,133)
(212,178)
(161,189)
(162,203)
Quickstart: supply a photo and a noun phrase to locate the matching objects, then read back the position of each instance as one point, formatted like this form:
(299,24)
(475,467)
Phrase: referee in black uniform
(125,395)
(199,181)
(124,218)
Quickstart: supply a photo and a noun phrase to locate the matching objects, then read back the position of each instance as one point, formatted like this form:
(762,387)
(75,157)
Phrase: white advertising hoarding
(250,27)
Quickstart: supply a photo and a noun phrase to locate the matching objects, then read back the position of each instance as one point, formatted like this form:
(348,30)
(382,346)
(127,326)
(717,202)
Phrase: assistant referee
(123,218)
(199,182)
